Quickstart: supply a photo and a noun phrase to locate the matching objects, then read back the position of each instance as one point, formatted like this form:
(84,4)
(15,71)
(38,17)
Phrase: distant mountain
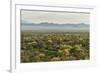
(54,26)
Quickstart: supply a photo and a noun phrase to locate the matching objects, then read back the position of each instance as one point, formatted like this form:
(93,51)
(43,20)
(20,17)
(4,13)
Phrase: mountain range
(45,26)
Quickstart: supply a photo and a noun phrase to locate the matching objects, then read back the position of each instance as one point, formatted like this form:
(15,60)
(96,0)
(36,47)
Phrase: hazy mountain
(54,26)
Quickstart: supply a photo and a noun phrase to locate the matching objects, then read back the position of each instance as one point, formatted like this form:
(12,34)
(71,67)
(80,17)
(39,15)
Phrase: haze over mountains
(45,26)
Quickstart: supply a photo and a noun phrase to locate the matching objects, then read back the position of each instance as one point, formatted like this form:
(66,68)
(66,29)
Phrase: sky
(54,17)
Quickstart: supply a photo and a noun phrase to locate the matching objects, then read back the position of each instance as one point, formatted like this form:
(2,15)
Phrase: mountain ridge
(54,26)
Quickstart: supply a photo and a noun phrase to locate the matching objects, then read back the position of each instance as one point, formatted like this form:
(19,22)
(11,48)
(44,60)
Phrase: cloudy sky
(54,17)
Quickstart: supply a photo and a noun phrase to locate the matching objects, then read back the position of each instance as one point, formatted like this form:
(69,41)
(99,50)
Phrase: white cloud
(54,17)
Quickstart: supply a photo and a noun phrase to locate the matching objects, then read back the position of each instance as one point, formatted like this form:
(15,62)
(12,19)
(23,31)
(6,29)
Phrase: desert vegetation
(54,46)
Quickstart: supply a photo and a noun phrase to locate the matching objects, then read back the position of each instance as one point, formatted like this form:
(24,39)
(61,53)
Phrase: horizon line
(51,23)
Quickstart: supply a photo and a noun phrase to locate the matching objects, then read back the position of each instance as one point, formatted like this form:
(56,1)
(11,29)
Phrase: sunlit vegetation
(54,46)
